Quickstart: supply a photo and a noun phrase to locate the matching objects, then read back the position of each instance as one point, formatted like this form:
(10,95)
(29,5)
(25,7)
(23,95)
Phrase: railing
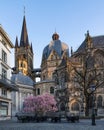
(7,83)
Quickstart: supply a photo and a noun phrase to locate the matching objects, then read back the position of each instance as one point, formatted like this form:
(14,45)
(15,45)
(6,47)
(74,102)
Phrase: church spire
(71,51)
(88,39)
(16,42)
(31,48)
(24,35)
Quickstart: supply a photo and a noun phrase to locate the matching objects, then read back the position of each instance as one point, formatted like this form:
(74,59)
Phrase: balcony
(8,84)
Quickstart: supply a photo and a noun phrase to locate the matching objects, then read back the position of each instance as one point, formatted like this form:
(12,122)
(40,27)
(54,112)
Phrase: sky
(69,18)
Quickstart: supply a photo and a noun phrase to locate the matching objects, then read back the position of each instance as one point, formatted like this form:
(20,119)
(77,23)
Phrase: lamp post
(93,104)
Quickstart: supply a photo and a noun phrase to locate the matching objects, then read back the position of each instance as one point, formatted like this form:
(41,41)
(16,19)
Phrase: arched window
(62,107)
(75,106)
(99,101)
(21,64)
(38,91)
(51,90)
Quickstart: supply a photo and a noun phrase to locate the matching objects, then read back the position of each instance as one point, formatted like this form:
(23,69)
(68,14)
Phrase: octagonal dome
(56,45)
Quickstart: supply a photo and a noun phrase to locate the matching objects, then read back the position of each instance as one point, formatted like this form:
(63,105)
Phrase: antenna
(55,30)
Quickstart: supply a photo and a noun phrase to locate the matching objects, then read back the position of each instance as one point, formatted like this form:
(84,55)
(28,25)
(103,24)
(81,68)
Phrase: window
(3,110)
(4,92)
(51,90)
(38,91)
(21,65)
(4,73)
(4,56)
(99,101)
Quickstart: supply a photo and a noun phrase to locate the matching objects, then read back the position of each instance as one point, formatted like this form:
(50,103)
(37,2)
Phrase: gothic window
(21,64)
(62,107)
(75,106)
(51,90)
(99,101)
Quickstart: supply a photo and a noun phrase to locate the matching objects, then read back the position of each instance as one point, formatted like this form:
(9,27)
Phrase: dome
(22,79)
(56,45)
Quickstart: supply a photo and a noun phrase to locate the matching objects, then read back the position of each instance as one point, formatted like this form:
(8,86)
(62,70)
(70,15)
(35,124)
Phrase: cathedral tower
(24,53)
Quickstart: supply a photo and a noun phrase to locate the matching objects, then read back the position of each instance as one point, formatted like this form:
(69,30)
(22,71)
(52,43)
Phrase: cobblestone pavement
(82,125)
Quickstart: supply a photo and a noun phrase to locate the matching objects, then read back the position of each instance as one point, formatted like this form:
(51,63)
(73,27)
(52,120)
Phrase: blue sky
(70,18)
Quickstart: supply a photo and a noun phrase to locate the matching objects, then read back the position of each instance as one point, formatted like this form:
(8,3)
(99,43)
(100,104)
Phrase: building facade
(6,86)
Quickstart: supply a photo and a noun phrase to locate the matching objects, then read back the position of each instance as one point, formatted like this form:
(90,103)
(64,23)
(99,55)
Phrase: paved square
(64,125)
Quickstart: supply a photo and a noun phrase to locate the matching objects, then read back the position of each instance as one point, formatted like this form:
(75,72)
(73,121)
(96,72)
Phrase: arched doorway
(62,107)
(75,106)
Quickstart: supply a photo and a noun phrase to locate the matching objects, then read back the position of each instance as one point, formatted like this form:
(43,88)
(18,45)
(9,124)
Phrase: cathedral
(57,72)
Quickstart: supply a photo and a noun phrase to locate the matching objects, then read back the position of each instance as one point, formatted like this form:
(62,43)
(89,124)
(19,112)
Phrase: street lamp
(93,104)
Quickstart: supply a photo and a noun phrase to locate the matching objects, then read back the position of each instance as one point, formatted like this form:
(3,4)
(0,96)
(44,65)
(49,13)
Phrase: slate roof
(98,42)
(22,79)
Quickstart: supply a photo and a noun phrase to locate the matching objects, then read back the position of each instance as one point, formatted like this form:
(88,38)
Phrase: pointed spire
(27,41)
(31,48)
(24,35)
(88,40)
(71,50)
(55,36)
(16,42)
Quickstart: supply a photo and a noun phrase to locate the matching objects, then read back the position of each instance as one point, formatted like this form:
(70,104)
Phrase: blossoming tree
(42,103)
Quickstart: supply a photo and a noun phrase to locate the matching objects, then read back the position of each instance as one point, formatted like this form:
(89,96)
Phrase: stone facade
(92,46)
(6,86)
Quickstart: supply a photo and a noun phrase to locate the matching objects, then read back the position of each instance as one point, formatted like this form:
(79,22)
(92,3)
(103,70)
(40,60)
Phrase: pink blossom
(41,103)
